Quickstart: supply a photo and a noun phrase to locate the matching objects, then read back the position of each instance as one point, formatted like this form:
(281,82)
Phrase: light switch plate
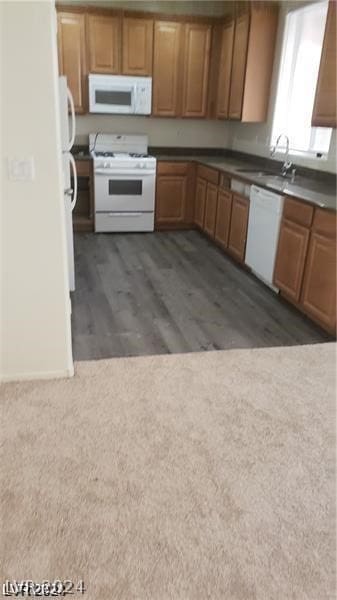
(21,169)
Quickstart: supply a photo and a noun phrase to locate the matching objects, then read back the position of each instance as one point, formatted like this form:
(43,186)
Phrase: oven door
(124,192)
(117,98)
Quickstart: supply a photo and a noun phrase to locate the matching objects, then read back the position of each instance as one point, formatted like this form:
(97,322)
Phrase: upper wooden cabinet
(324,112)
(197,43)
(120,45)
(225,68)
(104,35)
(238,66)
(246,63)
(166,60)
(71,52)
(137,46)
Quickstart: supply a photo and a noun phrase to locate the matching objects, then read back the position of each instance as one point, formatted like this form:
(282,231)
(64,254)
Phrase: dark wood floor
(155,293)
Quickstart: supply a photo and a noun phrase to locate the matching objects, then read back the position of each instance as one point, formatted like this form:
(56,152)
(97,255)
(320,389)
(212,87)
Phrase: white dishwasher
(265,213)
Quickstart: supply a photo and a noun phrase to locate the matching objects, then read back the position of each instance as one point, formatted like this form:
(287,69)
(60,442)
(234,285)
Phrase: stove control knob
(105,165)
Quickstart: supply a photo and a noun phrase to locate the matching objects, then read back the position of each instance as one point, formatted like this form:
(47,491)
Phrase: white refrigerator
(67,114)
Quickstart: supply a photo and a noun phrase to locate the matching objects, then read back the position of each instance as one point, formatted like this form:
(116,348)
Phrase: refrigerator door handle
(73,166)
(73,120)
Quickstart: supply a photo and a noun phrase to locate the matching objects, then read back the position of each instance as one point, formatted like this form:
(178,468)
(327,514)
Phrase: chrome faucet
(287,163)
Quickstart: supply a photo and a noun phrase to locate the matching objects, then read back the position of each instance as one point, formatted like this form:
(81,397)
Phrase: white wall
(255,138)
(161,132)
(35,318)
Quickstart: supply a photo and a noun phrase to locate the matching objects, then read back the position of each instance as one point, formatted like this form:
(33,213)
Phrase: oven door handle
(125,174)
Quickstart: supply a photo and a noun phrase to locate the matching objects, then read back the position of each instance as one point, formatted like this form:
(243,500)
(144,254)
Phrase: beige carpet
(186,477)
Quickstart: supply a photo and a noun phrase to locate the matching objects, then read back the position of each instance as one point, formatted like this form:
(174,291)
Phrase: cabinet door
(239,66)
(200,201)
(197,42)
(166,61)
(319,285)
(170,199)
(223,217)
(324,112)
(104,34)
(137,46)
(210,209)
(290,258)
(225,70)
(238,227)
(71,52)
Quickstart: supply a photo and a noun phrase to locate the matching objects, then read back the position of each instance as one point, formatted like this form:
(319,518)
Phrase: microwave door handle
(73,120)
(134,98)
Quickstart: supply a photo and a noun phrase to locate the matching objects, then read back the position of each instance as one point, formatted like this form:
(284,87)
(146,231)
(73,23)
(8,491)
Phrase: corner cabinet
(246,63)
(200,202)
(137,46)
(238,227)
(211,209)
(72,55)
(197,44)
(104,36)
(223,217)
(238,66)
(166,63)
(225,69)
(324,112)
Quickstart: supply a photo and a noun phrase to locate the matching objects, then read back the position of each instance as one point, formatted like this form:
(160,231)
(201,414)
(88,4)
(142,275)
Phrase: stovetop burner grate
(121,155)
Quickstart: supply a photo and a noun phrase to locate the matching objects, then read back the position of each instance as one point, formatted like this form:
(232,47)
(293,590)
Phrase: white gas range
(124,182)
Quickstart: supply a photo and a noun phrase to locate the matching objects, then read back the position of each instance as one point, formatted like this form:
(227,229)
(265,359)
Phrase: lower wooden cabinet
(174,207)
(319,286)
(318,296)
(223,217)
(290,259)
(211,209)
(200,202)
(305,266)
(83,213)
(238,227)
(170,199)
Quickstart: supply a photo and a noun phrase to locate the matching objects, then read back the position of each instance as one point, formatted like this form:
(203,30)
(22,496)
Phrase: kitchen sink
(255,172)
(264,174)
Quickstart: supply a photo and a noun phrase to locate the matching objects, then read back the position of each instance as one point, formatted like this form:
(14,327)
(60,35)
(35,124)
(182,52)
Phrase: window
(301,53)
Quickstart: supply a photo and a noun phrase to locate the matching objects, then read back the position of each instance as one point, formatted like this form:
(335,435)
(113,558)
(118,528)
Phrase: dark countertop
(318,191)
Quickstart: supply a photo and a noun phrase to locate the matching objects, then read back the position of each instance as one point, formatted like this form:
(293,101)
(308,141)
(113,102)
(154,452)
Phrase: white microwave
(119,94)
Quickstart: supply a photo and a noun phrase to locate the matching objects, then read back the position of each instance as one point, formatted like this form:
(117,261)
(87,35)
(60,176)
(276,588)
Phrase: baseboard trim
(64,374)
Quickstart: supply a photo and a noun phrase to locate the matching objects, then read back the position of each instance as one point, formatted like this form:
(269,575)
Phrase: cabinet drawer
(298,212)
(172,168)
(325,222)
(83,168)
(124,222)
(209,174)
